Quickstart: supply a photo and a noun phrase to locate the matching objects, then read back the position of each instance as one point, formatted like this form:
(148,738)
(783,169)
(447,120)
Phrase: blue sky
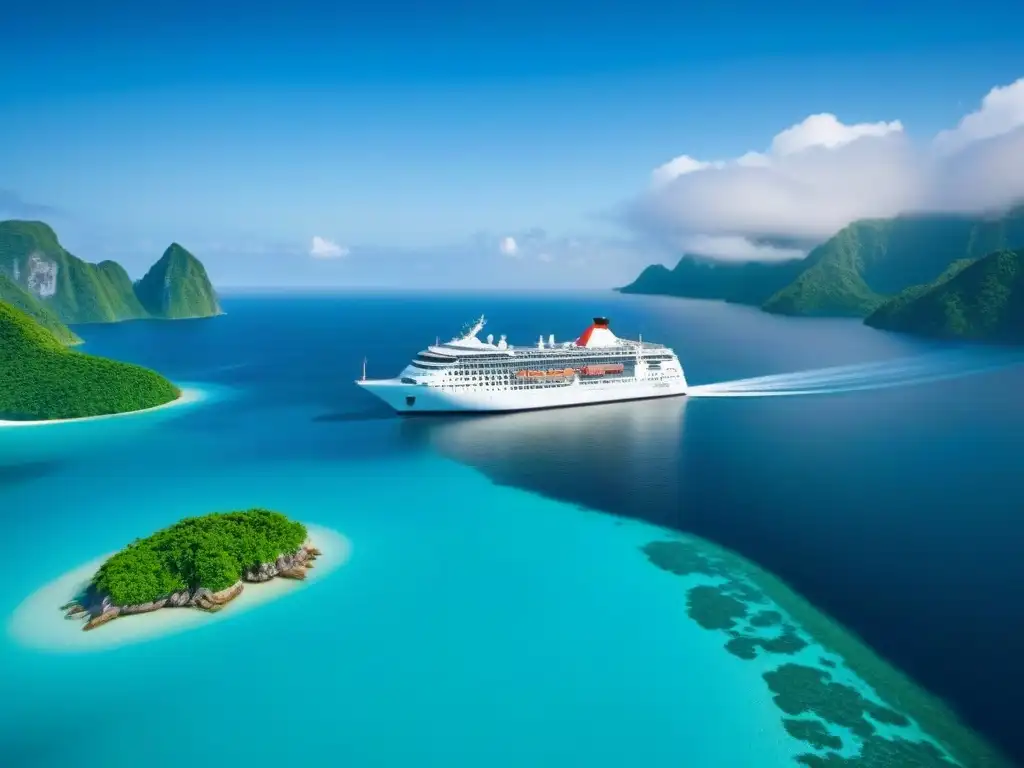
(416,136)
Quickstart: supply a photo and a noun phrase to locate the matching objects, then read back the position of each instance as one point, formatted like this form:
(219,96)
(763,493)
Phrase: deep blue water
(501,622)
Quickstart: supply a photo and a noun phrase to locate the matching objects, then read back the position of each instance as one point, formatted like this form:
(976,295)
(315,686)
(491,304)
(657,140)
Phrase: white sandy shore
(188,396)
(39,623)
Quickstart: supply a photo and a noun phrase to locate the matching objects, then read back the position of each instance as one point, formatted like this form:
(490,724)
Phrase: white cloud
(545,257)
(820,174)
(322,248)
(1002,111)
(735,248)
(825,130)
(676,167)
(508,246)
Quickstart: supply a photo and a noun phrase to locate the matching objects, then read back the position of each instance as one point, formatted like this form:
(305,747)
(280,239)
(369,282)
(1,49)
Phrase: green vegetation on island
(197,562)
(852,273)
(177,287)
(41,379)
(979,300)
(18,297)
(75,291)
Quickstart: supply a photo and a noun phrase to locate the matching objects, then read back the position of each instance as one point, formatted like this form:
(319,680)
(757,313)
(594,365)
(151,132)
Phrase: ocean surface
(794,563)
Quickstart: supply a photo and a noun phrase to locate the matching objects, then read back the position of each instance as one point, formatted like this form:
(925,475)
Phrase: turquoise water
(473,623)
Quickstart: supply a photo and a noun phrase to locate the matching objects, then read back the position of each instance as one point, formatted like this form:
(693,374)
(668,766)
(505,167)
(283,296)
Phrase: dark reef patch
(800,690)
(712,608)
(683,558)
(740,604)
(883,753)
(789,642)
(811,732)
(766,619)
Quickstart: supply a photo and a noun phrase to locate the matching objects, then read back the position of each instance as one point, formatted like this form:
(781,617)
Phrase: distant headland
(56,288)
(980,300)
(939,275)
(199,562)
(41,379)
(43,288)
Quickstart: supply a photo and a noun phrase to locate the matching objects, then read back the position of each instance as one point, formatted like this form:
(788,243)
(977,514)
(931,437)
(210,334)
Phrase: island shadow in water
(14,474)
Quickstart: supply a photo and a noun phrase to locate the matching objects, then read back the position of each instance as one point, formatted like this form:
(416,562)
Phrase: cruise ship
(469,374)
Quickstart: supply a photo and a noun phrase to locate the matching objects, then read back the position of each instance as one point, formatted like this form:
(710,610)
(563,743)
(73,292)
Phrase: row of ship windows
(416,363)
(506,382)
(538,385)
(503,362)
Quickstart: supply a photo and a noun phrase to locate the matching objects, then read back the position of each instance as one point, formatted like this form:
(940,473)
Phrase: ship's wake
(903,372)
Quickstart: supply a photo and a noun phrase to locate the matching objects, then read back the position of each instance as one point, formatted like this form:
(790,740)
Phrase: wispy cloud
(13,206)
(322,248)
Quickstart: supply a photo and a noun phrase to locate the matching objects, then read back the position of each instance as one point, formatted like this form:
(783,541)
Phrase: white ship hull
(469,375)
(427,399)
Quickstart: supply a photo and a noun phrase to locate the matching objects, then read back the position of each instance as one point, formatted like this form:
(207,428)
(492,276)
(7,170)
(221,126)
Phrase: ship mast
(364,369)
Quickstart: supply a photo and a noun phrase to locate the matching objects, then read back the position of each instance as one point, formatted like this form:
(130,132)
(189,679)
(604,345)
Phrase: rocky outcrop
(98,609)
(101,619)
(285,565)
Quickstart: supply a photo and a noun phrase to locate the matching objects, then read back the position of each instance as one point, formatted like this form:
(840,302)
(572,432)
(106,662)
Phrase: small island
(41,379)
(199,562)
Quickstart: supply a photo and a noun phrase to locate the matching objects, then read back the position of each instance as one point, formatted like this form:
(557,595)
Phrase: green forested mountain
(979,299)
(696,278)
(18,297)
(176,287)
(852,273)
(40,378)
(76,291)
(867,262)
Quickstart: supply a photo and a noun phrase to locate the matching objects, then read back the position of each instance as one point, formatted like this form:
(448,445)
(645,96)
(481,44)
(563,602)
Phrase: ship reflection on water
(608,457)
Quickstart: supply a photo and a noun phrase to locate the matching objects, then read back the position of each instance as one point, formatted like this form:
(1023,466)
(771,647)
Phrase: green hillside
(859,268)
(177,287)
(981,300)
(852,273)
(15,295)
(697,278)
(76,291)
(40,378)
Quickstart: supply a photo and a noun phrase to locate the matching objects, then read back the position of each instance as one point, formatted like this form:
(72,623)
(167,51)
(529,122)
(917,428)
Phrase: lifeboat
(602,370)
(554,373)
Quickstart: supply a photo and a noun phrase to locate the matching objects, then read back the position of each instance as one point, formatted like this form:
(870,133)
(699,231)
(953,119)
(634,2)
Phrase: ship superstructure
(468,374)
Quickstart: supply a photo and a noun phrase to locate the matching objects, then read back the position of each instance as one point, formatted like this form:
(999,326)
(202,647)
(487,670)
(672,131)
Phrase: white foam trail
(861,377)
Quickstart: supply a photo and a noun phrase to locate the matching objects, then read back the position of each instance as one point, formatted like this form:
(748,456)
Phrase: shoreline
(188,396)
(38,624)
